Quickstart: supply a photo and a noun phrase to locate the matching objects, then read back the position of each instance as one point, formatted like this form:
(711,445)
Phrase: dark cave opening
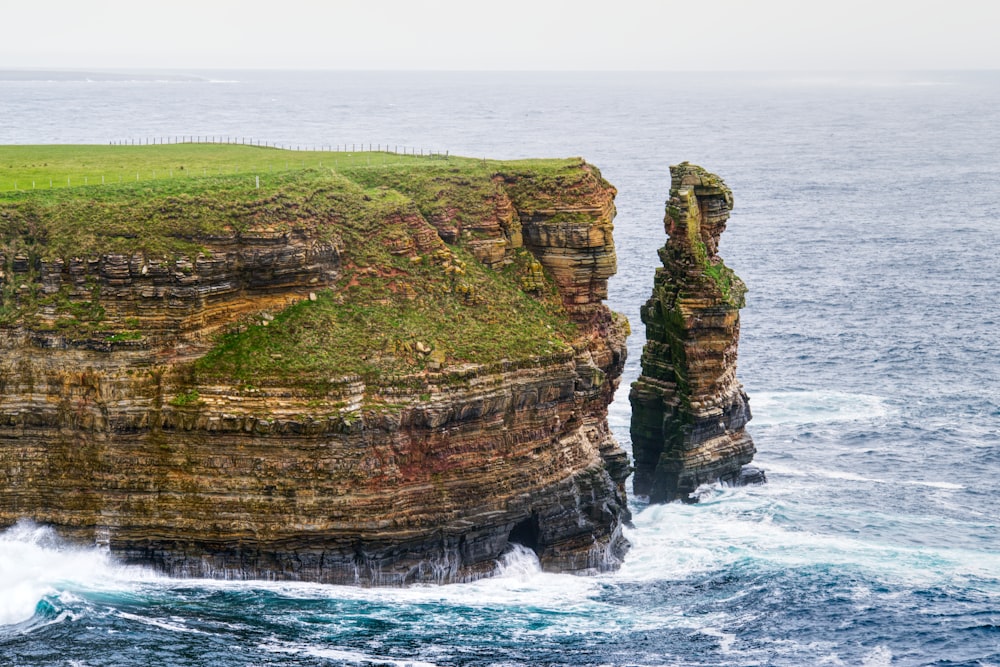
(525,533)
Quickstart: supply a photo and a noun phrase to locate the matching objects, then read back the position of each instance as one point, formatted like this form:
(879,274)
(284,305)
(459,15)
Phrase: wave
(162,625)
(880,656)
(730,528)
(342,656)
(814,407)
(741,528)
(734,540)
(35,566)
(783,408)
(519,581)
(848,476)
(40,573)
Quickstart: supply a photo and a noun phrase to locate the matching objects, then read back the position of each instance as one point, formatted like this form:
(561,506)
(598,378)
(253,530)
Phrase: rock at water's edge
(688,409)
(114,429)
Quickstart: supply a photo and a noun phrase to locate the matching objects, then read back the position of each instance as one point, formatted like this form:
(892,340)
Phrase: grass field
(43,167)
(369,322)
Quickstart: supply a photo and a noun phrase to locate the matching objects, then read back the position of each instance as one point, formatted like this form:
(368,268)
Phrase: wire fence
(251,141)
(346,155)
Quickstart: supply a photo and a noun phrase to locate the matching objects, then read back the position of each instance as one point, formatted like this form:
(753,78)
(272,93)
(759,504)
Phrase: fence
(250,141)
(158,166)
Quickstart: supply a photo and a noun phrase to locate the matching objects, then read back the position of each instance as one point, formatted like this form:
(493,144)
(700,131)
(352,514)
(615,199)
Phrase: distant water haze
(66,75)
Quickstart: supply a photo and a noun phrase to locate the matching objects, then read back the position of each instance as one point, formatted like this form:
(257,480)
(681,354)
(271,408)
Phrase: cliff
(378,375)
(688,409)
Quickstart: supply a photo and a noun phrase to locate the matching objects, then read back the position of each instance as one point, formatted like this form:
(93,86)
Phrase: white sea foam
(776,468)
(731,528)
(726,639)
(34,564)
(519,582)
(936,485)
(343,655)
(739,528)
(814,407)
(880,656)
(177,626)
(519,562)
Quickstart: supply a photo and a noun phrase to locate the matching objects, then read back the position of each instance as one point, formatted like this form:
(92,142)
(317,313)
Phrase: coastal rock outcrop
(372,377)
(688,409)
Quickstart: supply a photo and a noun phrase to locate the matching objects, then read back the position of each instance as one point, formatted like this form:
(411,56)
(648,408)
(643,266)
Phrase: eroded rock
(688,409)
(108,433)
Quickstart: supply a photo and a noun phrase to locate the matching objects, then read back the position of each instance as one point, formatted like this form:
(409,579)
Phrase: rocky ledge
(688,409)
(376,376)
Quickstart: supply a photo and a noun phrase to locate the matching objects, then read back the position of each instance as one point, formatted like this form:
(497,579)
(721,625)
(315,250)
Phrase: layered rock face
(116,430)
(688,409)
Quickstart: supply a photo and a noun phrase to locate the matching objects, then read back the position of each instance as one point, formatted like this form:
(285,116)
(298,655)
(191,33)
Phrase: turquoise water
(866,228)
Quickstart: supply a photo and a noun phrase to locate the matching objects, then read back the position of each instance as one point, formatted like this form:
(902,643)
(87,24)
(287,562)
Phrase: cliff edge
(380,374)
(688,409)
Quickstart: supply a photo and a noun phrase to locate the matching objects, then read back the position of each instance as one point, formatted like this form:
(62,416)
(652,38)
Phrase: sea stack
(688,409)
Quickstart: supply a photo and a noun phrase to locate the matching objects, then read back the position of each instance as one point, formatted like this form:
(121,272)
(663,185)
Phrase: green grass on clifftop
(58,167)
(394,310)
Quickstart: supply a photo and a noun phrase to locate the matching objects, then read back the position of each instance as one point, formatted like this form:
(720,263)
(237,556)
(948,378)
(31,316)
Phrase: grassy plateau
(395,308)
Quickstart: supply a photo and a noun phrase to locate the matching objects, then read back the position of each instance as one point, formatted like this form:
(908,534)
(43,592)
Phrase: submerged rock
(688,409)
(752,475)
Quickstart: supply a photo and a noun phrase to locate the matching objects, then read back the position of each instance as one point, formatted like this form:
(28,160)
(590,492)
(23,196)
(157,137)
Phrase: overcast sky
(504,35)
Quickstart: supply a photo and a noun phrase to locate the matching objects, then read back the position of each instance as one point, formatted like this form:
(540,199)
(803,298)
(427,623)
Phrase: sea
(866,228)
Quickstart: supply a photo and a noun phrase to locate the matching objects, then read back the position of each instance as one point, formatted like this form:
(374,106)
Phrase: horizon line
(160,68)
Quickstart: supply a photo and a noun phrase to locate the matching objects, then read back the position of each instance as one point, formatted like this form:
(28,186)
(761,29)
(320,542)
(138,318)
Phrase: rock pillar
(688,409)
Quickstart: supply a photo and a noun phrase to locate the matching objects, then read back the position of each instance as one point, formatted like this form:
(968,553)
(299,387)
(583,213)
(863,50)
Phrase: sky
(668,35)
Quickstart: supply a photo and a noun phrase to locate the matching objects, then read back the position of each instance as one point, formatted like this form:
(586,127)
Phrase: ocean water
(866,229)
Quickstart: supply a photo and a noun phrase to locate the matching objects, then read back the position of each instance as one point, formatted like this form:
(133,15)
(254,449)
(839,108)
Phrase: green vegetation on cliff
(61,167)
(402,300)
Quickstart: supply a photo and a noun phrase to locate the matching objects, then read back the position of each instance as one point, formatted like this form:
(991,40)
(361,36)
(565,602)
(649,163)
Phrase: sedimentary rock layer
(115,429)
(688,409)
